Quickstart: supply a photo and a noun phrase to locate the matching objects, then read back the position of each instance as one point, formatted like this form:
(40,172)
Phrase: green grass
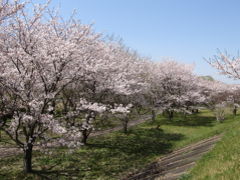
(115,155)
(223,162)
(5,141)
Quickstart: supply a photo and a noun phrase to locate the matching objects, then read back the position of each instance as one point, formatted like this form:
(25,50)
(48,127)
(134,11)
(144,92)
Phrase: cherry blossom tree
(38,60)
(112,84)
(218,96)
(234,98)
(9,8)
(174,87)
(228,65)
(151,95)
(57,77)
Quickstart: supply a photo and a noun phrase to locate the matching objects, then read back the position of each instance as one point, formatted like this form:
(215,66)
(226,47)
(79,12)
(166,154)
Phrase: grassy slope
(116,154)
(223,162)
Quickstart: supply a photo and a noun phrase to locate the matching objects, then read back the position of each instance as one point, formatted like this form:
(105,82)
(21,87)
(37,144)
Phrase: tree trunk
(170,115)
(184,115)
(84,137)
(125,126)
(28,158)
(54,107)
(86,132)
(235,111)
(65,107)
(138,111)
(195,111)
(153,116)
(158,127)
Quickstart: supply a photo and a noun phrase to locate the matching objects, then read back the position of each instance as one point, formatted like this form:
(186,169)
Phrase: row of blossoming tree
(57,77)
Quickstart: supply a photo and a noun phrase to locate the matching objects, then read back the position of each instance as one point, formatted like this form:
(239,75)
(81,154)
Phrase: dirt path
(177,163)
(10,151)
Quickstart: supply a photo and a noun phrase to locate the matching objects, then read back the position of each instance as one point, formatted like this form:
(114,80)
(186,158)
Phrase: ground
(116,155)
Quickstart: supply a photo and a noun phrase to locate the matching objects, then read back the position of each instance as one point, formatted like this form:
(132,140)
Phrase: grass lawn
(114,155)
(223,162)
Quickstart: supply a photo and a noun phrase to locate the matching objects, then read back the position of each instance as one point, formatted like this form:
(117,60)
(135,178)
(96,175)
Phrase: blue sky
(186,30)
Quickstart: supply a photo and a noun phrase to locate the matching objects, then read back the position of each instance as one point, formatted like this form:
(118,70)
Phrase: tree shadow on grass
(111,155)
(141,142)
(191,120)
(50,174)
